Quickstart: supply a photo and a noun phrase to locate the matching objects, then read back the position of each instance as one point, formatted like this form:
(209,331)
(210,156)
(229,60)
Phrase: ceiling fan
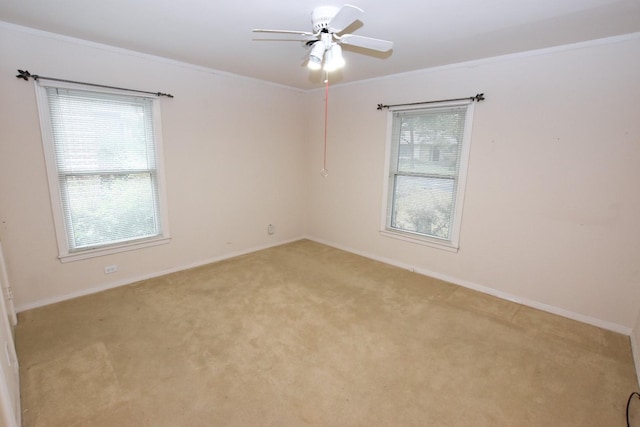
(325,39)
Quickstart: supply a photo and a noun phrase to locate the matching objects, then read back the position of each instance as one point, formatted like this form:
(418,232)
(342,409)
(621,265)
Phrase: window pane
(430,141)
(423,205)
(101,132)
(106,209)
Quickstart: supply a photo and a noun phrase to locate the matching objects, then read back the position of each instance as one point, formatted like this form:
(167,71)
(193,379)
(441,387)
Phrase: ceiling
(217,34)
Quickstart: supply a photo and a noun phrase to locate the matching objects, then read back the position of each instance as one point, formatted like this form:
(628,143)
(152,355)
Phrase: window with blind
(428,150)
(104,164)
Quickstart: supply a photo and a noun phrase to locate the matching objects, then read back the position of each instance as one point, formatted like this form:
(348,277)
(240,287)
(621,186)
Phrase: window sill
(93,253)
(424,241)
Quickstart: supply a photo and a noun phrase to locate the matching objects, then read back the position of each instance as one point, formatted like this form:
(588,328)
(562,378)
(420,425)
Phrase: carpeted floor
(307,335)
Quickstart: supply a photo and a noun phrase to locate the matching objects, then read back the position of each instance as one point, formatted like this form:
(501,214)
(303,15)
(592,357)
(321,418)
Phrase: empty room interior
(306,213)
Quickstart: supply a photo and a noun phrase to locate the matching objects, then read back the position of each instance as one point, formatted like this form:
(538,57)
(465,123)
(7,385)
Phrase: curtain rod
(25,75)
(479,97)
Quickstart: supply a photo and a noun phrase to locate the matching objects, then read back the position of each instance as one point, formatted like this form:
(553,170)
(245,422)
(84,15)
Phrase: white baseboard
(487,290)
(130,280)
(464,283)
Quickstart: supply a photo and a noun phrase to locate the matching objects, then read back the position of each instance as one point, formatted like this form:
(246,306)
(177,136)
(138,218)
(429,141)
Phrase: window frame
(65,254)
(391,155)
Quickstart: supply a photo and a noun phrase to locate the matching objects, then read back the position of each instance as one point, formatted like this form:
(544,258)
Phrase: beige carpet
(307,335)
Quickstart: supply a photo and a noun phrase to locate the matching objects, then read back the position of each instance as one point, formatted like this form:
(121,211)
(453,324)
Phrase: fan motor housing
(321,16)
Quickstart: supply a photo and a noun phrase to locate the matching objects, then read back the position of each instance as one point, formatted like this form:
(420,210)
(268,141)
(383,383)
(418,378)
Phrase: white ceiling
(217,34)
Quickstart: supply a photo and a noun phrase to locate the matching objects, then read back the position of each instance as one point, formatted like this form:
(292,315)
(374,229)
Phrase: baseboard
(130,280)
(487,290)
(464,283)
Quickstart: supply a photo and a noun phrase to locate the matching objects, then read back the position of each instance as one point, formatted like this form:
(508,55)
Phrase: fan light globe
(333,59)
(314,63)
(316,55)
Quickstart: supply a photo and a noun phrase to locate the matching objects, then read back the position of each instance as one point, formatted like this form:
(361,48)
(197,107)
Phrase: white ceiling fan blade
(367,42)
(301,33)
(345,17)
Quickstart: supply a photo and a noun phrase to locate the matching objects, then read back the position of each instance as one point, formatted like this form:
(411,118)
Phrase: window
(428,149)
(103,156)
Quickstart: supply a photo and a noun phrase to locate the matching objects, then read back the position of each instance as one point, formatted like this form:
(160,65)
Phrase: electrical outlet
(271,228)
(110,269)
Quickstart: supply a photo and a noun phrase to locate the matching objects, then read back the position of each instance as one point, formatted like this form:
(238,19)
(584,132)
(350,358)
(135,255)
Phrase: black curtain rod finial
(24,74)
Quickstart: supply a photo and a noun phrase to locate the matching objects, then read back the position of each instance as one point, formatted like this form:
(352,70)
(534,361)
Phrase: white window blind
(428,150)
(106,164)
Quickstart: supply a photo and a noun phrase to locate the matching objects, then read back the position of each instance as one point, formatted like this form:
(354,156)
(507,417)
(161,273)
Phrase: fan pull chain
(324,172)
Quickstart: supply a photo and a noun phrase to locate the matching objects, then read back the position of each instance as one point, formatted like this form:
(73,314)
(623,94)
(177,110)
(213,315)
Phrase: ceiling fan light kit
(330,52)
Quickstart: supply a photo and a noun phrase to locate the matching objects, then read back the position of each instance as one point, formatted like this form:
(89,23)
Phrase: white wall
(552,201)
(232,153)
(551,206)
